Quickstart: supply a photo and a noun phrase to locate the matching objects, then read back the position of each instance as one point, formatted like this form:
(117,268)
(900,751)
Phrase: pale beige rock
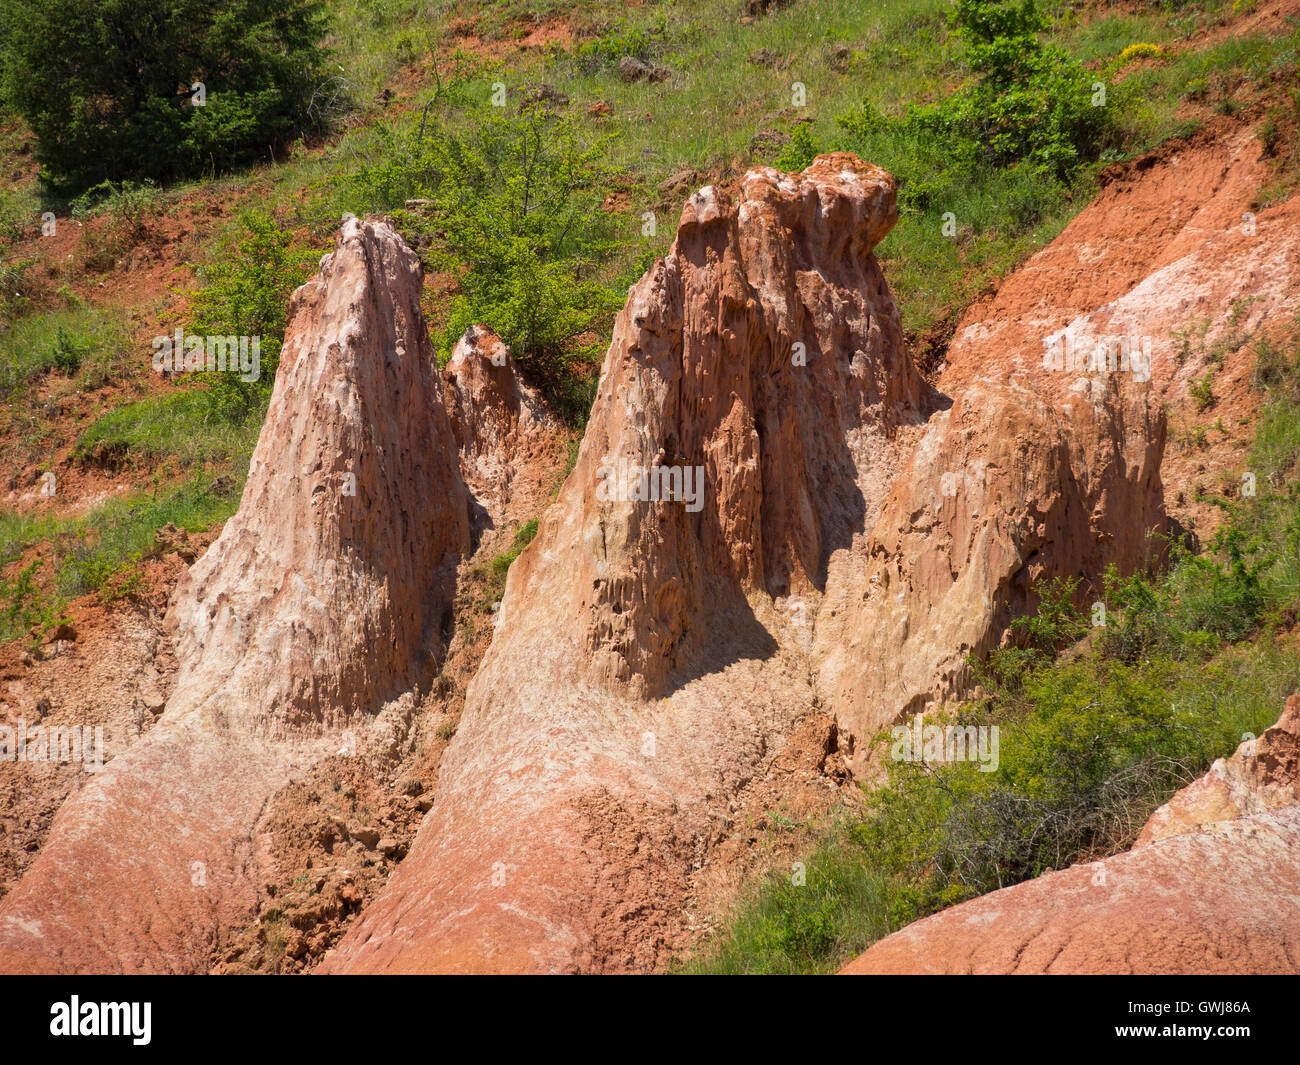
(1004,490)
(1262,774)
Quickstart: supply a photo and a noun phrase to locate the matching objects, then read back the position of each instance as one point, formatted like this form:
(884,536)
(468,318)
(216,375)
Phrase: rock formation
(775,529)
(1210,887)
(1176,260)
(1004,490)
(1263,775)
(757,528)
(502,429)
(325,596)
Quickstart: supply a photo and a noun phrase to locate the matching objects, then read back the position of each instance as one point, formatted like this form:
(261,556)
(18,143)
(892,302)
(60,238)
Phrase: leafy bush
(105,85)
(515,215)
(246,293)
(799,152)
(781,927)
(1030,102)
(640,42)
(24,607)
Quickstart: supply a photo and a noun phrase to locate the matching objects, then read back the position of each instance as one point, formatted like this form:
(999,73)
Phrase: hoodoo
(322,599)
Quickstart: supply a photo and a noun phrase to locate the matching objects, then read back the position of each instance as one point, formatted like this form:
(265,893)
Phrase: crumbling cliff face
(760,526)
(1209,887)
(324,597)
(1005,489)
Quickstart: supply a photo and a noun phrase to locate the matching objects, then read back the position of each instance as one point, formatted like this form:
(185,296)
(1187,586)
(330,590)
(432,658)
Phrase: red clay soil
(1162,252)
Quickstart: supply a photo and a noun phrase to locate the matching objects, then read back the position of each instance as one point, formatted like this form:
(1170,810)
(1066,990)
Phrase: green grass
(99,552)
(707,112)
(789,927)
(181,427)
(524,537)
(88,347)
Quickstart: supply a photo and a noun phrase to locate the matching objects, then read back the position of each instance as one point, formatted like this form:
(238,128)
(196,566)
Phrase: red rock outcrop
(1176,253)
(324,596)
(503,430)
(1212,886)
(1004,490)
(1263,774)
(749,420)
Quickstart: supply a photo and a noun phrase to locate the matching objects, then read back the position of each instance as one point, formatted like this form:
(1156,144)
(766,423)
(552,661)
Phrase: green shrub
(24,608)
(516,217)
(1202,391)
(640,42)
(246,293)
(800,151)
(1030,102)
(524,537)
(782,926)
(105,85)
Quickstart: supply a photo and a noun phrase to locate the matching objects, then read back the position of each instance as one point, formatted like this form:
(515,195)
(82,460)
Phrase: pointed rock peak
(354,508)
(478,352)
(323,598)
(481,382)
(747,421)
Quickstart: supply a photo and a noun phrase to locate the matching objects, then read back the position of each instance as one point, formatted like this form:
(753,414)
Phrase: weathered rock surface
(503,430)
(323,597)
(646,663)
(1003,490)
(1212,886)
(1263,774)
(1176,254)
(1171,264)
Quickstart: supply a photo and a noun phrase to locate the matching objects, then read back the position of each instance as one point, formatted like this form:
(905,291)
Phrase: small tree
(515,214)
(107,85)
